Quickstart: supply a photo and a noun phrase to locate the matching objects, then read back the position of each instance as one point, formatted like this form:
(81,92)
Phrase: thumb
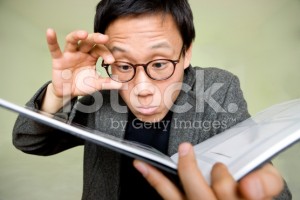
(192,179)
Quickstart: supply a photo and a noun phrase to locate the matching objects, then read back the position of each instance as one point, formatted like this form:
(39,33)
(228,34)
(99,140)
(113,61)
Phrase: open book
(242,148)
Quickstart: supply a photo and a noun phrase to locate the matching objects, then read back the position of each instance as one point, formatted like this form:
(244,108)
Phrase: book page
(251,142)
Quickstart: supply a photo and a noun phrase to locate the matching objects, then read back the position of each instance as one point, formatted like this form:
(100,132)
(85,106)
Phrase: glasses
(159,69)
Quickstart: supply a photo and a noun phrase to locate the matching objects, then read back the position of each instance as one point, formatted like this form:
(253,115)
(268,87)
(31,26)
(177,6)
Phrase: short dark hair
(109,10)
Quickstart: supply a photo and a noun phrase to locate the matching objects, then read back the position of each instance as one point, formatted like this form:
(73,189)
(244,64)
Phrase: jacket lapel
(183,114)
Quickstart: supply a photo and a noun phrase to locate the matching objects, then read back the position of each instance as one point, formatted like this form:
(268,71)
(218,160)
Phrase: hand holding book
(255,185)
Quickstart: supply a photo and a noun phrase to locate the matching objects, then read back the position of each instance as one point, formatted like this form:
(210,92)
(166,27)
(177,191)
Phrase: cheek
(171,94)
(174,87)
(125,94)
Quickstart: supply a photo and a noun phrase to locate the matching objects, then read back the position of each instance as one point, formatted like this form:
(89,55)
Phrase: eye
(159,64)
(122,67)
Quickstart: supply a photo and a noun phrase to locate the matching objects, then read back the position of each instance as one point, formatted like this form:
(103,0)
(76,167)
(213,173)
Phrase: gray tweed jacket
(210,102)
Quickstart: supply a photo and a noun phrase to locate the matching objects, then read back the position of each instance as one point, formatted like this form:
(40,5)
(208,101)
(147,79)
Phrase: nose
(143,85)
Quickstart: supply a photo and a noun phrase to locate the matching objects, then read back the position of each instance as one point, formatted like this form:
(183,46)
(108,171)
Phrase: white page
(250,143)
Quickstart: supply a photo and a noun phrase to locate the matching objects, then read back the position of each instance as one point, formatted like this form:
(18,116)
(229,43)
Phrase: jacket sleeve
(33,137)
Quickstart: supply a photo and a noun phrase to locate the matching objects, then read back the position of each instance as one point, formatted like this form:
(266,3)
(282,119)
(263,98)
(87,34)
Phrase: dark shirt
(156,135)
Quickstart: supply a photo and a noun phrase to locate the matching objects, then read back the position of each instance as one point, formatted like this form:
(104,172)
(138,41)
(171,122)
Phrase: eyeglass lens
(157,70)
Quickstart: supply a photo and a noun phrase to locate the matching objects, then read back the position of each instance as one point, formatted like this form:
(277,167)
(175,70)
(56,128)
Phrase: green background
(258,40)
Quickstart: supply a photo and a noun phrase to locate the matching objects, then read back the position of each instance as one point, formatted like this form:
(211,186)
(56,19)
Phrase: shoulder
(210,78)
(213,74)
(217,90)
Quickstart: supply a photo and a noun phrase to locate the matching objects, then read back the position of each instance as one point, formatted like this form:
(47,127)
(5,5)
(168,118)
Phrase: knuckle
(68,38)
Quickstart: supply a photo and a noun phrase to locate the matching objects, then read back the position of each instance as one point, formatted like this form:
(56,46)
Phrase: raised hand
(74,69)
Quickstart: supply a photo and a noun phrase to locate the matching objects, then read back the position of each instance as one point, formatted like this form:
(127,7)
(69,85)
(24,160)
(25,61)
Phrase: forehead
(142,30)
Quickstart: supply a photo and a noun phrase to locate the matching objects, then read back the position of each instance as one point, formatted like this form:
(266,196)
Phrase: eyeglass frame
(174,62)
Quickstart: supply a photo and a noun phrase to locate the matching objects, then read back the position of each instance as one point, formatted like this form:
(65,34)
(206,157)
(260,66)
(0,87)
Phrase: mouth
(147,110)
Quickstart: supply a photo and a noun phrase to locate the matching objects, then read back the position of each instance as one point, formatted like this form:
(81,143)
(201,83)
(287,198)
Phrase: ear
(188,57)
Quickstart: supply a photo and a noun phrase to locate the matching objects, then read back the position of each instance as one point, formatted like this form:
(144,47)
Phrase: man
(152,95)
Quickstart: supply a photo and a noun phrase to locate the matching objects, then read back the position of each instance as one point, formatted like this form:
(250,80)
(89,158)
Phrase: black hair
(109,10)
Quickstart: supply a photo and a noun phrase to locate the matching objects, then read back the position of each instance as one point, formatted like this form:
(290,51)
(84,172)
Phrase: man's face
(138,40)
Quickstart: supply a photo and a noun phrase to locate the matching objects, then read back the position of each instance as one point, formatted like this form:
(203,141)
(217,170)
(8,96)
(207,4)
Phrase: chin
(150,118)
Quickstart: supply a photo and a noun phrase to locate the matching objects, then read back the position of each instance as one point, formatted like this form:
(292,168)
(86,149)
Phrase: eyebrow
(161,45)
(156,46)
(115,48)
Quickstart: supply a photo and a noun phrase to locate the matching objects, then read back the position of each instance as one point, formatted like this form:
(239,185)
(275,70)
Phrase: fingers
(89,81)
(80,41)
(71,42)
(53,44)
(223,183)
(157,180)
(92,39)
(192,180)
(92,44)
(101,51)
(73,38)
(263,183)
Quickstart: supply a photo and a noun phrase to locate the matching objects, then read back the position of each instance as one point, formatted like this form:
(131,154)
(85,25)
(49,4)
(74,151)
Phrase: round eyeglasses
(159,69)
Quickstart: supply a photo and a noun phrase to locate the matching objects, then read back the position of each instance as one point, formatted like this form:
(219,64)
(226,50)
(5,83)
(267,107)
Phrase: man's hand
(263,183)
(74,69)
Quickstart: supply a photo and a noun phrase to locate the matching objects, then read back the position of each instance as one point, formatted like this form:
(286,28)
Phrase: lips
(147,110)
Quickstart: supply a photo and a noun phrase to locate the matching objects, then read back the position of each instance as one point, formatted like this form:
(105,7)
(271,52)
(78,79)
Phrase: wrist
(51,103)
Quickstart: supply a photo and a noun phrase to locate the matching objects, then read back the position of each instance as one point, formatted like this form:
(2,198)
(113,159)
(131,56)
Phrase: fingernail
(141,167)
(218,170)
(184,149)
(109,59)
(102,37)
(81,33)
